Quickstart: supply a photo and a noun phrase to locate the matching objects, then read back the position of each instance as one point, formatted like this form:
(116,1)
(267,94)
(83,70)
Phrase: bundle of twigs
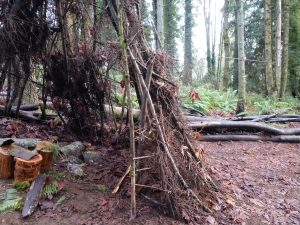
(188,189)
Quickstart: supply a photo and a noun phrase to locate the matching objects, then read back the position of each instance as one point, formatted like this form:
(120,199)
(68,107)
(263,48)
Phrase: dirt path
(261,181)
(262,177)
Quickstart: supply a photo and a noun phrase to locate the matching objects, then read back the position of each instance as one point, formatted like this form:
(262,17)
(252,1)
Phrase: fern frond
(50,190)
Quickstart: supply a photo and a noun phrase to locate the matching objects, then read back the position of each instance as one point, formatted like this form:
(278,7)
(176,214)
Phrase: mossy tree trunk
(285,51)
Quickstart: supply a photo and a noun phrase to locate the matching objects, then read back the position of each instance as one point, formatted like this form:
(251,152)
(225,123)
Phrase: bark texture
(278,46)
(241,58)
(226,76)
(187,77)
(268,48)
(285,51)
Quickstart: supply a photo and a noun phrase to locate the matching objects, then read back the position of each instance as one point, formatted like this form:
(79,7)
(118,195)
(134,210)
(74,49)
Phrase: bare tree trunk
(241,54)
(213,50)
(187,77)
(278,46)
(159,23)
(285,51)
(70,32)
(235,54)
(30,95)
(88,23)
(220,58)
(207,20)
(226,42)
(268,48)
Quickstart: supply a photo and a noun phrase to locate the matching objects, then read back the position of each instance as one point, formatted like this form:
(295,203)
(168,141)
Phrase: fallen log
(23,114)
(242,126)
(28,107)
(267,117)
(283,120)
(23,142)
(74,148)
(280,138)
(33,196)
(273,119)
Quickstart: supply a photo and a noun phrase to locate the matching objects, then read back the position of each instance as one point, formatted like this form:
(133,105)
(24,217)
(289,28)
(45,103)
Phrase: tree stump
(6,164)
(27,170)
(47,160)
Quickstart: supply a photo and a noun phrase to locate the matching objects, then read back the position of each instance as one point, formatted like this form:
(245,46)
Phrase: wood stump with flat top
(6,164)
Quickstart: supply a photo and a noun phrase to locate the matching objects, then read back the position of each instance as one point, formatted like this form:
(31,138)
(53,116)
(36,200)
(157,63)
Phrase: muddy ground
(261,181)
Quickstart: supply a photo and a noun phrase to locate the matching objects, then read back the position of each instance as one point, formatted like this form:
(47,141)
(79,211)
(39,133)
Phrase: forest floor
(260,179)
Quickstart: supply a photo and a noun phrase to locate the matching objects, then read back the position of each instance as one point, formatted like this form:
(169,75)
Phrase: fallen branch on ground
(23,142)
(23,114)
(33,196)
(242,125)
(230,137)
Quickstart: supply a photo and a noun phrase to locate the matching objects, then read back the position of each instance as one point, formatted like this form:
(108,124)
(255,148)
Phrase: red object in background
(194,96)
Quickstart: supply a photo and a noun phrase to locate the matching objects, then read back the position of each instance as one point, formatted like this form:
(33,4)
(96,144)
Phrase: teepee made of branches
(185,184)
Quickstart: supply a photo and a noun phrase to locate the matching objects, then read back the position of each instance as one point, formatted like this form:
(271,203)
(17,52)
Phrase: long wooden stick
(121,180)
(123,45)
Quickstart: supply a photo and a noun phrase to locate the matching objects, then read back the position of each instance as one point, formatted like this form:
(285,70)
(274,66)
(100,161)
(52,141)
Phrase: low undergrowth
(210,100)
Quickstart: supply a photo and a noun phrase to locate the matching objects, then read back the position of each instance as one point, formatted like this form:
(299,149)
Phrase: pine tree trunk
(71,34)
(285,51)
(187,77)
(88,23)
(159,23)
(235,55)
(213,51)
(268,48)
(207,21)
(241,58)
(226,41)
(278,46)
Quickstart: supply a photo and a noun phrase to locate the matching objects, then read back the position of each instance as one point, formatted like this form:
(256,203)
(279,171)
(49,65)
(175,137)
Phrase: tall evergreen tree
(294,52)
(146,21)
(170,26)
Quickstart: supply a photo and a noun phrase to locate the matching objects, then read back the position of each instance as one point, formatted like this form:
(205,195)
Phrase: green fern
(10,205)
(55,175)
(12,201)
(22,186)
(49,190)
